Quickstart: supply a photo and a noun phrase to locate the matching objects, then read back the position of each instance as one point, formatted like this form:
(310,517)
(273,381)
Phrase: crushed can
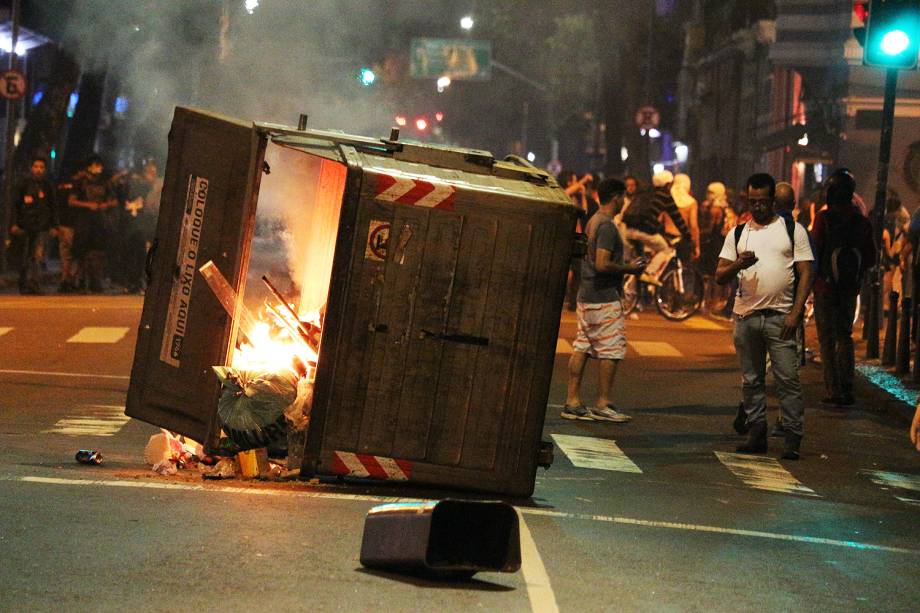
(88,456)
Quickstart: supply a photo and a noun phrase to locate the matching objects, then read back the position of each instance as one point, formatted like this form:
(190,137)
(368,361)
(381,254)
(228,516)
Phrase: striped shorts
(601,330)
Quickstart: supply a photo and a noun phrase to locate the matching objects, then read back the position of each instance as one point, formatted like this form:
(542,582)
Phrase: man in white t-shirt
(772,259)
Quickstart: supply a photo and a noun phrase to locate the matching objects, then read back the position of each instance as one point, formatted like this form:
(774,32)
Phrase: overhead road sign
(458,59)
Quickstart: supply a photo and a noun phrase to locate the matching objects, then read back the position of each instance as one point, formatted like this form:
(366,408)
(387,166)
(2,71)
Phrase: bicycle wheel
(630,294)
(680,294)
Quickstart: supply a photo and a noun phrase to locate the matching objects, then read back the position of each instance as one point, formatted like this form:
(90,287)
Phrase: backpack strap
(790,230)
(738,230)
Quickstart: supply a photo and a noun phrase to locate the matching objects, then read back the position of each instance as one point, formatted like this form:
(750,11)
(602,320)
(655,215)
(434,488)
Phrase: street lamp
(467,22)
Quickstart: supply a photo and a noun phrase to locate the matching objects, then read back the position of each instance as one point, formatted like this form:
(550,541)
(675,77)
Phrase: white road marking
(654,349)
(901,481)
(539,590)
(42,373)
(97,420)
(99,335)
(700,323)
(562,346)
(597,453)
(763,473)
(263,491)
(5,330)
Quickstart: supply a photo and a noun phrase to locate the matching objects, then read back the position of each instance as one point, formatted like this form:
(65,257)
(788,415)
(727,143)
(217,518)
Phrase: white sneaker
(609,414)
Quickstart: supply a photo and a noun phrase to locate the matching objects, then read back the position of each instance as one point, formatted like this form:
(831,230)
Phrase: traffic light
(367,77)
(893,34)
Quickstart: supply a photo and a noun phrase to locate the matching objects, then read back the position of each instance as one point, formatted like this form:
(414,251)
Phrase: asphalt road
(657,514)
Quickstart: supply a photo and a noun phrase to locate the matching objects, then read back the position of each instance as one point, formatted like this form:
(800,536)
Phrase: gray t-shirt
(599,287)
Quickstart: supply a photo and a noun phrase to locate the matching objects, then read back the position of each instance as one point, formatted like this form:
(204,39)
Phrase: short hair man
(34,215)
(601,321)
(767,259)
(845,249)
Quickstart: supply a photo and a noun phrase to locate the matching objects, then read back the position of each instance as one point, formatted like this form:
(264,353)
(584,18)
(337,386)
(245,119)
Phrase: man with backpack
(845,250)
(771,258)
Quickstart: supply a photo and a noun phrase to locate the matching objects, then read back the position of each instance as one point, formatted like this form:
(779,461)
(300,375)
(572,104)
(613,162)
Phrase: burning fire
(271,351)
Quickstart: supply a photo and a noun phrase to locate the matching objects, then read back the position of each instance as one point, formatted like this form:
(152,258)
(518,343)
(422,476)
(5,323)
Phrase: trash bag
(251,407)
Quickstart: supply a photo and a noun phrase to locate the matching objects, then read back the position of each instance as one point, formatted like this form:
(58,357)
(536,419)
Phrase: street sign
(13,86)
(647,118)
(432,58)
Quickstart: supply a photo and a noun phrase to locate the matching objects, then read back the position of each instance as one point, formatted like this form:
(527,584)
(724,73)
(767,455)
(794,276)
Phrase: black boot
(793,442)
(740,423)
(757,439)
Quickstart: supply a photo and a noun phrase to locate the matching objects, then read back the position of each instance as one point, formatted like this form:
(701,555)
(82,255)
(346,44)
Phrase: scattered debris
(226,468)
(88,456)
(165,468)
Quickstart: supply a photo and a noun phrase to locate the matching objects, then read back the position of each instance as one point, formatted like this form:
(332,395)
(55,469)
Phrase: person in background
(577,190)
(632,190)
(135,194)
(34,216)
(766,255)
(689,210)
(712,233)
(92,197)
(601,321)
(844,250)
(894,238)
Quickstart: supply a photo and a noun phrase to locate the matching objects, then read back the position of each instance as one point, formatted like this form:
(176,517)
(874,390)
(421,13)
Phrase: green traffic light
(895,42)
(367,77)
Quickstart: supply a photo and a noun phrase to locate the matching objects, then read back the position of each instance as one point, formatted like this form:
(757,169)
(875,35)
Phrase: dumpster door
(207,212)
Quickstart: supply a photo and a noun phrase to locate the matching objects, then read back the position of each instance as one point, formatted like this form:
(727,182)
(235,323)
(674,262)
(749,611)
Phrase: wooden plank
(426,344)
(491,382)
(458,361)
(393,325)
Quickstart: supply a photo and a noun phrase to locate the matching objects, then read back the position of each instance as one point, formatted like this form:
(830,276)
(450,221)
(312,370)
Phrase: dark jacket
(644,212)
(34,207)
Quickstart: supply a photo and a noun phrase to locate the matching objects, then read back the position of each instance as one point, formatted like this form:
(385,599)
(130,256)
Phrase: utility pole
(881,191)
(10,144)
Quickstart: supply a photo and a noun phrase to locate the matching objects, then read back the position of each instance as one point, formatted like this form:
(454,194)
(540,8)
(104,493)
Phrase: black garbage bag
(252,404)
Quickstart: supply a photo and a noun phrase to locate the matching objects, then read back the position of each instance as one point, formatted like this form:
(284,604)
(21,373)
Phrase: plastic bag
(298,412)
(251,406)
(169,446)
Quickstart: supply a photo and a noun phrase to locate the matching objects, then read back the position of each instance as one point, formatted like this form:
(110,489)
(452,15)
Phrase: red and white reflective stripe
(376,467)
(417,192)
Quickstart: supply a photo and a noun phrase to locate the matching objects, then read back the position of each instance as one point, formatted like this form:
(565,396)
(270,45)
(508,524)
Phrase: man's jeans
(33,252)
(834,314)
(755,336)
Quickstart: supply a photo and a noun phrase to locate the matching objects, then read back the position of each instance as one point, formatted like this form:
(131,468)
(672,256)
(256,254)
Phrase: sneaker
(608,413)
(579,412)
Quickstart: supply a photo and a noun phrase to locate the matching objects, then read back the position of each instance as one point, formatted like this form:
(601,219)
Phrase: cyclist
(643,222)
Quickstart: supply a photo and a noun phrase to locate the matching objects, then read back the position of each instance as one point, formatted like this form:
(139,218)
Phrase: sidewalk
(878,388)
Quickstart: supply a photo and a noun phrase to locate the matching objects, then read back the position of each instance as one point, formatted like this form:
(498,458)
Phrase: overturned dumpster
(432,277)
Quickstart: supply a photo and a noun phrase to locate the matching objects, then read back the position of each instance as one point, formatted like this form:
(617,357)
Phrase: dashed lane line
(539,590)
(96,420)
(700,323)
(596,453)
(898,481)
(99,335)
(5,330)
(42,373)
(655,349)
(563,346)
(763,473)
(630,521)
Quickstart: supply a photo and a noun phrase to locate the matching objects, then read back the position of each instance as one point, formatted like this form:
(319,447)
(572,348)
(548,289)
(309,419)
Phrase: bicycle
(677,287)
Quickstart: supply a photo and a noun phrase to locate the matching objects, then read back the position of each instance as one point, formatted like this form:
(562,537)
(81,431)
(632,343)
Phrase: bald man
(784,200)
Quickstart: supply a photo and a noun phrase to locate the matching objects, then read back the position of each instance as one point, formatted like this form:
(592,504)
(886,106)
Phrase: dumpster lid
(328,143)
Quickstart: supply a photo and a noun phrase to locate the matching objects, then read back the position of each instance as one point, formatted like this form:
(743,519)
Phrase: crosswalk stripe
(563,346)
(699,323)
(654,349)
(4,330)
(99,335)
(899,481)
(95,420)
(597,453)
(763,474)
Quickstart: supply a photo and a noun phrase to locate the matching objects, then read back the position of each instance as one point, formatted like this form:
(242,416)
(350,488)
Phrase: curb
(889,393)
